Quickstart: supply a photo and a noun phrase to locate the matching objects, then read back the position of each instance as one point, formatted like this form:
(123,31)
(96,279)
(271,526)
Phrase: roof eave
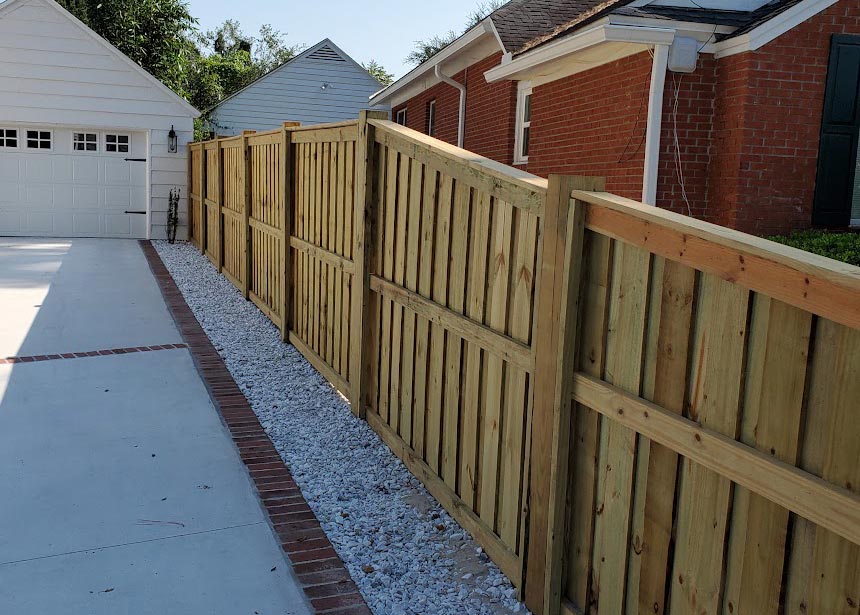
(478,33)
(771,29)
(521,67)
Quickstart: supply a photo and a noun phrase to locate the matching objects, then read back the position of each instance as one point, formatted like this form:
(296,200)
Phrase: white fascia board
(483,29)
(600,33)
(771,29)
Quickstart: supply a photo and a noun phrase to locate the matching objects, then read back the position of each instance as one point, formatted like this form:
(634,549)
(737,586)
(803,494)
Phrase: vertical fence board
(715,394)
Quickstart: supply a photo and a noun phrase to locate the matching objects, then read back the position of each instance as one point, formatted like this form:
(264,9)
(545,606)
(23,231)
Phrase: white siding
(53,72)
(294,92)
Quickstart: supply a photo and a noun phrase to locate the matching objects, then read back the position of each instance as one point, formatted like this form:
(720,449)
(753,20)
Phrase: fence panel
(711,426)
(453,281)
(266,219)
(639,411)
(233,152)
(321,242)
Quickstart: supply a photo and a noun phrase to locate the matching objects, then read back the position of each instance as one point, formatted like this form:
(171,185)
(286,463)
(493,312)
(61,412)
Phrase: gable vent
(326,54)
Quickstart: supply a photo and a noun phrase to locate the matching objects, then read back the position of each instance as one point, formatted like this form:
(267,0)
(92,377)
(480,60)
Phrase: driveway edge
(320,571)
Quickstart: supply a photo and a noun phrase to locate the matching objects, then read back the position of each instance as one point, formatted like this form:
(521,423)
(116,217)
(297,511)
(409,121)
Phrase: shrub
(843,247)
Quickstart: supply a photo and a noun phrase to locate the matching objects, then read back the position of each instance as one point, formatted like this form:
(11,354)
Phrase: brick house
(741,112)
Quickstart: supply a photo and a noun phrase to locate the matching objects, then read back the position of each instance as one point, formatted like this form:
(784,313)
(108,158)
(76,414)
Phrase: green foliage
(153,33)
(161,36)
(843,247)
(427,48)
(378,72)
(227,60)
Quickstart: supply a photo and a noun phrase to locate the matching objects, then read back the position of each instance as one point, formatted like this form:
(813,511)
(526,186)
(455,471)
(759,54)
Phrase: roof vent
(326,54)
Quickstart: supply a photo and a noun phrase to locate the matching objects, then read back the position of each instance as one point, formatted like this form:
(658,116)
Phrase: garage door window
(85,142)
(8,137)
(38,139)
(118,144)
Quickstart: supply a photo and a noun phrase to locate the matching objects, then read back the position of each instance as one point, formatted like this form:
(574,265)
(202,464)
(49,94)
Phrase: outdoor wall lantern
(172,141)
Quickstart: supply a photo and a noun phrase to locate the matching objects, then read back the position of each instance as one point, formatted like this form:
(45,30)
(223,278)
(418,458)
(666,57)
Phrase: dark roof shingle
(525,24)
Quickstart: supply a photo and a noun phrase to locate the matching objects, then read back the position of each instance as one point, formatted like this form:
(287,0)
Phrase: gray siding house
(322,84)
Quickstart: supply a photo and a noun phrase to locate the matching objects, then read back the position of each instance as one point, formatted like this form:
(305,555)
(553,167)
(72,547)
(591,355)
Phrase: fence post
(286,222)
(365,219)
(204,193)
(246,213)
(219,204)
(189,215)
(555,349)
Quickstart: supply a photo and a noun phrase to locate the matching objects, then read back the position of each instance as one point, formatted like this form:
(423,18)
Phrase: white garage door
(72,182)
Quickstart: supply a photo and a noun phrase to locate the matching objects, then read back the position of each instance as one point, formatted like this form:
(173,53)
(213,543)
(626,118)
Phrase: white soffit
(579,52)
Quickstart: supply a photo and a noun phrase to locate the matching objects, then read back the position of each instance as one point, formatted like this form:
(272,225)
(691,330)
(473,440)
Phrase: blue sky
(385,32)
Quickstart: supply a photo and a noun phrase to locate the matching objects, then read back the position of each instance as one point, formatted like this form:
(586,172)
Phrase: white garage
(90,144)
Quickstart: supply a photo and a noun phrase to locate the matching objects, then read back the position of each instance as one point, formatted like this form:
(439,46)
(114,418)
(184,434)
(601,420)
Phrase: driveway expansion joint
(91,353)
(297,529)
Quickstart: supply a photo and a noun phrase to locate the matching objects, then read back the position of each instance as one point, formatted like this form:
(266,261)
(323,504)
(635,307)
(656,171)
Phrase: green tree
(153,33)
(427,48)
(378,72)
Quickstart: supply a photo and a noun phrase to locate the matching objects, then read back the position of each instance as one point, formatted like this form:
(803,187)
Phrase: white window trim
(27,148)
(524,88)
(117,134)
(4,148)
(431,117)
(397,117)
(85,150)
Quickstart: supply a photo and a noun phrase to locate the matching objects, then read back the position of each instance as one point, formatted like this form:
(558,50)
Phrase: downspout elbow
(461,123)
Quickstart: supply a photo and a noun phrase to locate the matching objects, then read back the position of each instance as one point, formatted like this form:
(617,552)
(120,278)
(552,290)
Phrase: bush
(843,247)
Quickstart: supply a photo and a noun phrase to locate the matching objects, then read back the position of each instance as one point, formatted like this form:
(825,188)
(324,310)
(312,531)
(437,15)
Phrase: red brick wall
(593,123)
(767,129)
(490,111)
(747,126)
(692,120)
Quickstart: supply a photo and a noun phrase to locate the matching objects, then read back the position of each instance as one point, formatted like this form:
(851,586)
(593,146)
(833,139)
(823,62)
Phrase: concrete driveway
(120,490)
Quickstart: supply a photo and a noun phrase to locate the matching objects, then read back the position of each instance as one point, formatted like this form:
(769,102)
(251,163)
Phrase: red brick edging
(322,574)
(92,353)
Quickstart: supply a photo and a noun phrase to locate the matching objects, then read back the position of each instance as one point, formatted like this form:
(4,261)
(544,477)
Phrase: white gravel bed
(407,555)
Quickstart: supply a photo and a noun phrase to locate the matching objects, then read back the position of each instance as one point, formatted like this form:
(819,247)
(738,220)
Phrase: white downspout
(461,124)
(655,121)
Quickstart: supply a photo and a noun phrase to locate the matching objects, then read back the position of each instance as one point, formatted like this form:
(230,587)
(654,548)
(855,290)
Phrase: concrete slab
(135,435)
(116,472)
(78,295)
(225,572)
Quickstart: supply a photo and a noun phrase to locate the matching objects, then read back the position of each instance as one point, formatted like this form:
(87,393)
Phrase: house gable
(55,66)
(322,84)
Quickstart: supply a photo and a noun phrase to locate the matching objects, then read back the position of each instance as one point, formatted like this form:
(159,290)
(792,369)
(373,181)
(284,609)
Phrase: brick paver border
(91,353)
(322,574)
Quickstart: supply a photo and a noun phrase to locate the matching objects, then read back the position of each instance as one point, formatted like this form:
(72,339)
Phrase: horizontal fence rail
(632,411)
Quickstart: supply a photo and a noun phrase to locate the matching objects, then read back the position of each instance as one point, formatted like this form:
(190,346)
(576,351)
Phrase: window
(38,139)
(117,143)
(524,123)
(401,117)
(85,142)
(431,118)
(8,137)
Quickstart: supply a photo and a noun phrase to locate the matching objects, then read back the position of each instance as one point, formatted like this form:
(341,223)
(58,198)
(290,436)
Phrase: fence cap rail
(811,282)
(322,126)
(501,172)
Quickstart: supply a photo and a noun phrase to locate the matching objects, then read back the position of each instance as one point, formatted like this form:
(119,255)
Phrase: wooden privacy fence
(632,411)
